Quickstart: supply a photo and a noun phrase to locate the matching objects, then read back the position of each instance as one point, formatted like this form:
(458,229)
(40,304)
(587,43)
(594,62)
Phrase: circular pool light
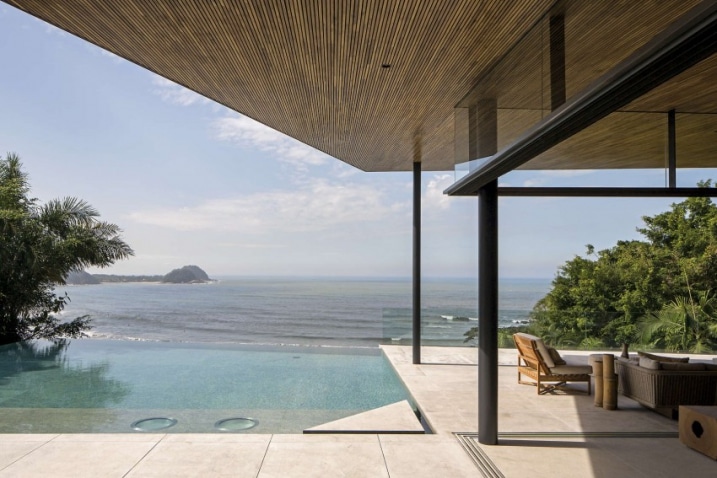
(235,424)
(153,424)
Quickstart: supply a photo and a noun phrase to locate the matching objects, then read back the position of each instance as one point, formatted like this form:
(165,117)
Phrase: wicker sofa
(664,390)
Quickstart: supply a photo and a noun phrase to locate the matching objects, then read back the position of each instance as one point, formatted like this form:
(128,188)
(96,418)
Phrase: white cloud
(434,198)
(316,206)
(533,182)
(567,173)
(245,131)
(249,245)
(111,56)
(342,170)
(53,30)
(95,50)
(171,92)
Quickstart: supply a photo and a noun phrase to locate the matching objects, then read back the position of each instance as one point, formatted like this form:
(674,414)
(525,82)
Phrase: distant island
(115,278)
(183,275)
(187,275)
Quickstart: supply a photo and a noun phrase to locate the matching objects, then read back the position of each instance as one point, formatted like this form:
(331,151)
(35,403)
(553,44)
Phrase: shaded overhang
(369,82)
(379,84)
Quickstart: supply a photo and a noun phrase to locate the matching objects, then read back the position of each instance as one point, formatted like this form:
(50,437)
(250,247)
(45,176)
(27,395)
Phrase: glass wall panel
(571,47)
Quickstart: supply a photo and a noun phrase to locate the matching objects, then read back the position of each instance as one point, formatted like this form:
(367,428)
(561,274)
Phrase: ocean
(294,311)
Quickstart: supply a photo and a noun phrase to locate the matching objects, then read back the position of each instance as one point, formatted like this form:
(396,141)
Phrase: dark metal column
(416,262)
(488,314)
(671,149)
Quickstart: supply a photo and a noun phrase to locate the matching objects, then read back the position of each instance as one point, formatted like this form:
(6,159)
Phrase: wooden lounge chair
(535,362)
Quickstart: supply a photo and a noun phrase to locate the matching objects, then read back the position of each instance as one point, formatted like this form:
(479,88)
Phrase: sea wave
(311,313)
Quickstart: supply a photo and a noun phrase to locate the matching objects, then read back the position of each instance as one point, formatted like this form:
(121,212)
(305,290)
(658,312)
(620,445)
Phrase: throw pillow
(649,363)
(662,358)
(555,355)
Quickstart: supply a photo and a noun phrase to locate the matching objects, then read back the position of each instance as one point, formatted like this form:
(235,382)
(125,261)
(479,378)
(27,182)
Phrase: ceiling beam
(606,192)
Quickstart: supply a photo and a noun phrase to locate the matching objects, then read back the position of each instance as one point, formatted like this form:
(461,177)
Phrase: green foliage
(40,244)
(685,324)
(599,300)
(505,336)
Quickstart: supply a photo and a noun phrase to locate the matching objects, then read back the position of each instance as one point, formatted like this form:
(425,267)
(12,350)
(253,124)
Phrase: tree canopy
(40,244)
(622,294)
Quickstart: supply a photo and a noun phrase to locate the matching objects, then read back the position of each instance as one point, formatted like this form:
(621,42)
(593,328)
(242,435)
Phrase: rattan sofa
(665,390)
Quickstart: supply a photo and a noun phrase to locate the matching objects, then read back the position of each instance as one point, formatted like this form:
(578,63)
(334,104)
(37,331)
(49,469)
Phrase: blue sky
(191,182)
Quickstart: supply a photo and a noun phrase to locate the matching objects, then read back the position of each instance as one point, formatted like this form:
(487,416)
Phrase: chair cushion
(542,349)
(662,358)
(571,369)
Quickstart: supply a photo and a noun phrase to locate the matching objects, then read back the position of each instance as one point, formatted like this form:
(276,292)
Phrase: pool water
(107,386)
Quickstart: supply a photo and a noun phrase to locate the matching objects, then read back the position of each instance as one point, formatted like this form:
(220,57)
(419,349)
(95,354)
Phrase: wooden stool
(596,361)
(609,382)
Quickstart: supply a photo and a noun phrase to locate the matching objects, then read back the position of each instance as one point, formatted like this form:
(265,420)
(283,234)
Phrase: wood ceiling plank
(312,68)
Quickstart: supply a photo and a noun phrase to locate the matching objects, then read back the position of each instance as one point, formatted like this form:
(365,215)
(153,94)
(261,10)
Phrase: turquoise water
(106,385)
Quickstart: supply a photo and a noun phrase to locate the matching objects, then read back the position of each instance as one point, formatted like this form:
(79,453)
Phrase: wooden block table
(698,429)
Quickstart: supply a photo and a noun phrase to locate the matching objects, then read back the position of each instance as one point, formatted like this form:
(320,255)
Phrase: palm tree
(39,245)
(685,324)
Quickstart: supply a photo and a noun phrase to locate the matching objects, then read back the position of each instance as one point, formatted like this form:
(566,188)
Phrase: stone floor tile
(201,458)
(13,451)
(426,458)
(79,459)
(109,438)
(309,459)
(325,438)
(218,438)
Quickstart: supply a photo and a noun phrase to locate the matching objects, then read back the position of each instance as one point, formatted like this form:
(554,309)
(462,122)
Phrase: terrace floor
(557,435)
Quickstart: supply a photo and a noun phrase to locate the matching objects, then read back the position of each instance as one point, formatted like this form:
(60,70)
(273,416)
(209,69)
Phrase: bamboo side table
(605,380)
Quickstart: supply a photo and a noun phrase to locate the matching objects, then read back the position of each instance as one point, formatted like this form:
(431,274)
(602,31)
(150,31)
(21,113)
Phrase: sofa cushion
(662,358)
(685,367)
(649,363)
(555,355)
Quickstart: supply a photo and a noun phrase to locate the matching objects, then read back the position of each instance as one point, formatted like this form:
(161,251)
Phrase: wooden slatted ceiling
(312,68)
(636,135)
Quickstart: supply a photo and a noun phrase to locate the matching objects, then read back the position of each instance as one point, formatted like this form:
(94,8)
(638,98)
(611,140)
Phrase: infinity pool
(116,386)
